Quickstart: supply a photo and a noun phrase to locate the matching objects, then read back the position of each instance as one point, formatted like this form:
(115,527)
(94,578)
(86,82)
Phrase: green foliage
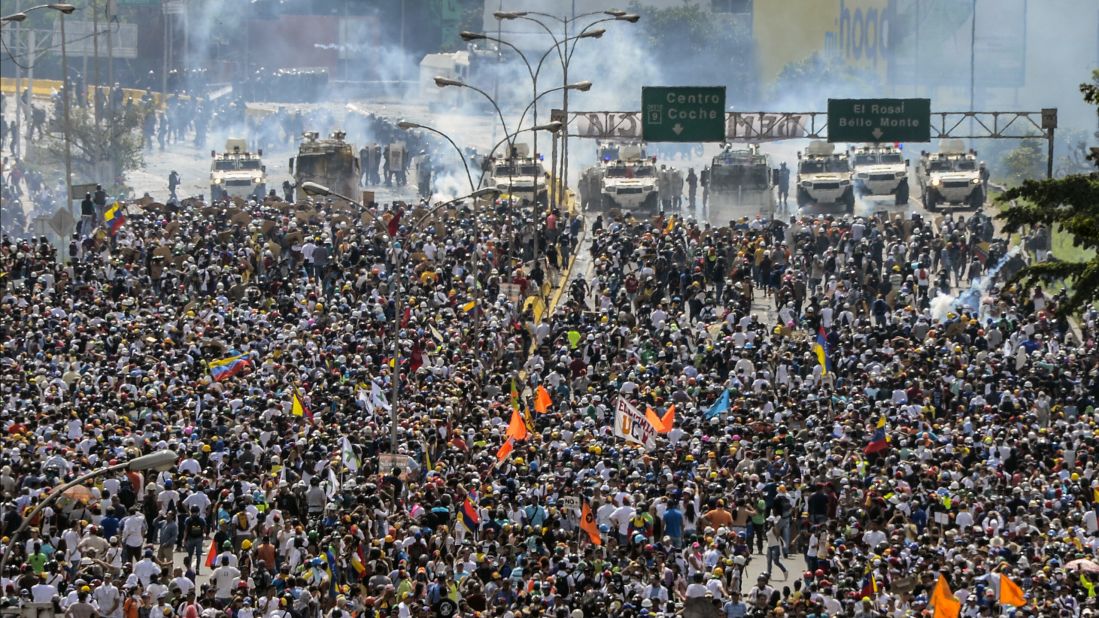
(1068,205)
(116,139)
(1027,161)
(1090,90)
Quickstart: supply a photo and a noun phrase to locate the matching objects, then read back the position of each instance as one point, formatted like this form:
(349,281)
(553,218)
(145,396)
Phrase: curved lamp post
(406,125)
(443,82)
(565,51)
(159,460)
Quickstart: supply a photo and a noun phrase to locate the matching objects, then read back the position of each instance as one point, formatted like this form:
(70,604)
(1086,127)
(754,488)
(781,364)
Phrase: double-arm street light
(64,9)
(565,50)
(534,71)
(583,86)
(158,460)
(314,189)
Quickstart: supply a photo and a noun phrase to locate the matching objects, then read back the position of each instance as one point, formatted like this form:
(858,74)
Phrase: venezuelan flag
(470,518)
(357,561)
(331,569)
(298,407)
(820,348)
(878,441)
(114,218)
(228,367)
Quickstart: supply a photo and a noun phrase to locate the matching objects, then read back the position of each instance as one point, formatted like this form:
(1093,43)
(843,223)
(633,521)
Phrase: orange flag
(1010,593)
(542,400)
(505,450)
(943,600)
(517,429)
(587,523)
(661,424)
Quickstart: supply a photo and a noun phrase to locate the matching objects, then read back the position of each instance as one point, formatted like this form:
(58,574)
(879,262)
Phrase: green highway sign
(683,114)
(879,120)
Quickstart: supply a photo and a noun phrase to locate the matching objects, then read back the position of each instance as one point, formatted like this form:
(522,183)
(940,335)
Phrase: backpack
(196,527)
(242,521)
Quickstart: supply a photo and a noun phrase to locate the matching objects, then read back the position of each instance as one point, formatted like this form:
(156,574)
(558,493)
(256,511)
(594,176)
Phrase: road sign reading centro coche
(683,114)
(879,120)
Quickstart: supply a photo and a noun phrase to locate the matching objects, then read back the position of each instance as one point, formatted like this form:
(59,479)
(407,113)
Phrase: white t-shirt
(696,590)
(145,569)
(133,530)
(105,597)
(225,578)
(43,593)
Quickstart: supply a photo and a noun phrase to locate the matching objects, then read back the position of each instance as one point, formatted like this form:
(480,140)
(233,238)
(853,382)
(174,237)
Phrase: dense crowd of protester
(896,413)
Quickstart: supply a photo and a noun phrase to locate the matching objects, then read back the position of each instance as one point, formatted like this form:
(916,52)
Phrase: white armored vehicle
(630,182)
(237,172)
(950,176)
(881,171)
(824,176)
(521,176)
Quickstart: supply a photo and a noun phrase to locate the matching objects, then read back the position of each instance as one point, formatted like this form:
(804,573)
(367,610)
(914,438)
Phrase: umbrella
(82,494)
(1083,564)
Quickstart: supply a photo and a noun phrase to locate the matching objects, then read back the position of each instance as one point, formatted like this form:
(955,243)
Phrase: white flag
(362,399)
(378,397)
(350,459)
(630,425)
(333,484)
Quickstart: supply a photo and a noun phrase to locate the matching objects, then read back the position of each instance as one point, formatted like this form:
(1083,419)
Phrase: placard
(630,425)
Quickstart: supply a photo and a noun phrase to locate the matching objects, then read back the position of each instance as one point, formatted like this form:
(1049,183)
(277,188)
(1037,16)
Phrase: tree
(1069,205)
(1024,162)
(115,140)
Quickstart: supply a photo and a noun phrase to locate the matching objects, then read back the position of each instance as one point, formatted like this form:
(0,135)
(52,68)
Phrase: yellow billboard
(856,31)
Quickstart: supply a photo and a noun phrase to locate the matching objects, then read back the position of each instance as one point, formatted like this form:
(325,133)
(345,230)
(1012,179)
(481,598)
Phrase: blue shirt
(673,522)
(736,609)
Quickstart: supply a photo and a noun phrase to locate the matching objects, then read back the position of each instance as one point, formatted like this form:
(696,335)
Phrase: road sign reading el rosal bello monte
(879,120)
(683,114)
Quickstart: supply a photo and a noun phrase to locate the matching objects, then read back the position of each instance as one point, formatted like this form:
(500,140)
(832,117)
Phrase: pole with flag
(820,348)
(212,554)
(298,407)
(1011,593)
(587,523)
(879,441)
(946,605)
(349,457)
(720,406)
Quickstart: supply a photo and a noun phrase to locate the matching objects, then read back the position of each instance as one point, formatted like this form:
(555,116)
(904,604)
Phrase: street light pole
(68,125)
(312,188)
(534,72)
(17,30)
(158,460)
(565,53)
